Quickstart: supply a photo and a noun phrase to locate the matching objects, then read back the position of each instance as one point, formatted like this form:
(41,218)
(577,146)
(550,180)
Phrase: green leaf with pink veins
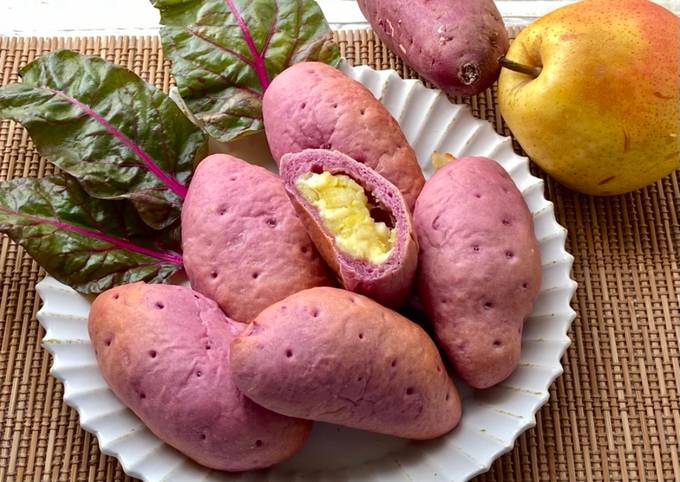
(226,52)
(90,244)
(121,137)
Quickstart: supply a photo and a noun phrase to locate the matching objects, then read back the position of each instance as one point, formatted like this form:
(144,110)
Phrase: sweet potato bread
(243,243)
(313,105)
(357,219)
(331,355)
(480,266)
(164,351)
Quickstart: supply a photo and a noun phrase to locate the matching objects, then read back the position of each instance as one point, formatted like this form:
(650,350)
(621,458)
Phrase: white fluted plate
(492,419)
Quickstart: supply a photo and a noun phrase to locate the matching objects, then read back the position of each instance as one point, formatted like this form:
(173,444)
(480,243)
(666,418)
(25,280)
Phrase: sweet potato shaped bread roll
(313,105)
(331,355)
(164,351)
(357,219)
(480,266)
(243,243)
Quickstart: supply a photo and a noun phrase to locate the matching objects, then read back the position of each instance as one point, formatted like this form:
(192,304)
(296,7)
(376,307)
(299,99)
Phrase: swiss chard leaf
(119,136)
(90,244)
(225,52)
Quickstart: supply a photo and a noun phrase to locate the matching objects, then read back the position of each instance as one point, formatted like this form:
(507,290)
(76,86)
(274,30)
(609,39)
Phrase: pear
(592,93)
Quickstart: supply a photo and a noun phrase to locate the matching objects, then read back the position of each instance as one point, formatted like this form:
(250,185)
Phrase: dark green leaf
(90,244)
(119,136)
(225,53)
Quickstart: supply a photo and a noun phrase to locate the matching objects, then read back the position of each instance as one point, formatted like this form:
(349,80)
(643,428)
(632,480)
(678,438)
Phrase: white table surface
(135,17)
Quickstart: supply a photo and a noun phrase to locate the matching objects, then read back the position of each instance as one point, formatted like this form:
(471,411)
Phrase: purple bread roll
(244,246)
(311,105)
(363,230)
(480,266)
(164,351)
(329,355)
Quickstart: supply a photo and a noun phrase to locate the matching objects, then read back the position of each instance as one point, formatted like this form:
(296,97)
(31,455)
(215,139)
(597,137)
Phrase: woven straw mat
(614,415)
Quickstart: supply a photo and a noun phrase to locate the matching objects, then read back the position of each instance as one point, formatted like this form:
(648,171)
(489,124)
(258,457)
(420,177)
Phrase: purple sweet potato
(331,355)
(455,45)
(164,351)
(243,243)
(357,219)
(312,105)
(480,266)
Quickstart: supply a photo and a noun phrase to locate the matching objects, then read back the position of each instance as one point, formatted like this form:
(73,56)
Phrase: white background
(129,17)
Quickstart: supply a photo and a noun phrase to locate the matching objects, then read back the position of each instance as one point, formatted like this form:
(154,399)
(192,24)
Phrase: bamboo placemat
(614,415)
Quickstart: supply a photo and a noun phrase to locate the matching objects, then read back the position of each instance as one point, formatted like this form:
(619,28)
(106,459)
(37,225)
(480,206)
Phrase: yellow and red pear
(603,114)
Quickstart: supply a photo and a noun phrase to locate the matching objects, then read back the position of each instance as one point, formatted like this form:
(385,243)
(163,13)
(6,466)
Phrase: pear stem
(530,70)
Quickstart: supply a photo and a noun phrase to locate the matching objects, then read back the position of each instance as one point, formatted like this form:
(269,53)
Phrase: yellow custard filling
(346,213)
